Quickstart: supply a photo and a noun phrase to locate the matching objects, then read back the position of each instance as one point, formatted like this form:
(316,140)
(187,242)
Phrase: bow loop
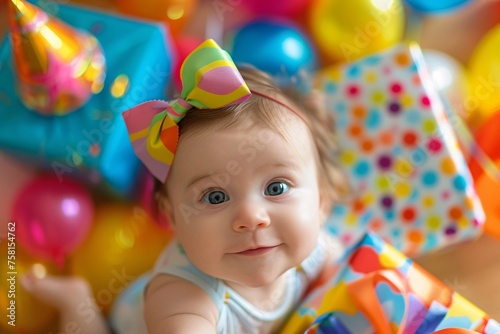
(210,80)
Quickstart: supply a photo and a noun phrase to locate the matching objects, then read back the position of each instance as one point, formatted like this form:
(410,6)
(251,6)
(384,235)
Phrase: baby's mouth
(257,250)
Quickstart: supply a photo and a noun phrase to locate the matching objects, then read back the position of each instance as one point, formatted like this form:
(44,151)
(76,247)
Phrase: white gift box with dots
(410,182)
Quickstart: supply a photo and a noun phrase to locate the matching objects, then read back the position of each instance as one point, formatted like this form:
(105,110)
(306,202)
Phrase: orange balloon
(487,190)
(174,12)
(122,245)
(487,139)
(19,307)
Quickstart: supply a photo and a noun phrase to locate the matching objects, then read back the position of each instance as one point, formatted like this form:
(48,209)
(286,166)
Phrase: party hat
(58,67)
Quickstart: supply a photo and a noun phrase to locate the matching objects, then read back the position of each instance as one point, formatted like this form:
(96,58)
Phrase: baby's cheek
(305,242)
(310,223)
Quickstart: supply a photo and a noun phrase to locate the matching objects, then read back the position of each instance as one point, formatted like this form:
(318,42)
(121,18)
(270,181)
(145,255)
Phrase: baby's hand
(72,296)
(60,292)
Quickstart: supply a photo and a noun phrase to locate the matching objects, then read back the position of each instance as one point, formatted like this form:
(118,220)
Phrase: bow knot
(210,80)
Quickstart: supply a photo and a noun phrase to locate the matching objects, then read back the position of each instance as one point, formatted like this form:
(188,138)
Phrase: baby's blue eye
(215,197)
(276,188)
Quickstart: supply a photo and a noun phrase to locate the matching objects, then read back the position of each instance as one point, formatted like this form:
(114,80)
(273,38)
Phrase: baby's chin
(254,279)
(261,280)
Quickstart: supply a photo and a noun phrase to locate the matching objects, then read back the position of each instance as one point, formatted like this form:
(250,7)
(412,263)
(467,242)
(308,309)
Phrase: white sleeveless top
(236,315)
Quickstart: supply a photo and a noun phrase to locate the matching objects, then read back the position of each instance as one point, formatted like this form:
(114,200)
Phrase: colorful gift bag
(91,142)
(379,290)
(410,182)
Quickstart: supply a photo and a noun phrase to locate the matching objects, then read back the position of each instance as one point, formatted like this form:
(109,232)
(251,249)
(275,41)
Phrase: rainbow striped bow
(210,80)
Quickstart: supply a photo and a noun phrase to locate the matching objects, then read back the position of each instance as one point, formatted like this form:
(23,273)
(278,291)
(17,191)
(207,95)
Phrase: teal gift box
(91,142)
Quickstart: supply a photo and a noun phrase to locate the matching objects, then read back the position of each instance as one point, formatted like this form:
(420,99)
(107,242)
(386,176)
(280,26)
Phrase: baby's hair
(262,110)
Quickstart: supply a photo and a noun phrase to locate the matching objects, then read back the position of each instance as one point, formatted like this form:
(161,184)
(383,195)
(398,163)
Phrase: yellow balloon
(484,67)
(347,30)
(122,245)
(19,307)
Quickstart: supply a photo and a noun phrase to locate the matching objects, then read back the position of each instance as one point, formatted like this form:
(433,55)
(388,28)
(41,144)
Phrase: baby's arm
(176,306)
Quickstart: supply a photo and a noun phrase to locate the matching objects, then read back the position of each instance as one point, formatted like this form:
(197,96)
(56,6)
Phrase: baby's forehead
(279,120)
(284,124)
(272,116)
(257,147)
(287,134)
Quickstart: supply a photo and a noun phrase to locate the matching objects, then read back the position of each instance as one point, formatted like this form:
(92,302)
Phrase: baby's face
(245,204)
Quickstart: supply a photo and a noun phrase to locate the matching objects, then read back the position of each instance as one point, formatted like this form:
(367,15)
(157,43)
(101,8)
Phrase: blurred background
(461,44)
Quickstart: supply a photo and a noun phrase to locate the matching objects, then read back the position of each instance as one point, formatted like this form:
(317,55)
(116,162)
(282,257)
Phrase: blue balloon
(436,6)
(274,46)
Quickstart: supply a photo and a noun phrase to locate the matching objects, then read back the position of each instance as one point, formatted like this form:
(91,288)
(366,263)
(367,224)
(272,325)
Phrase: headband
(210,80)
(283,104)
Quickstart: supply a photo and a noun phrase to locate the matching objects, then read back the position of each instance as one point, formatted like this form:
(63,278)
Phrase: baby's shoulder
(167,296)
(161,282)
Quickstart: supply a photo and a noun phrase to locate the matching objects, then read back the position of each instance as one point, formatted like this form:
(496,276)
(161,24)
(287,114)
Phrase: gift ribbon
(455,331)
(363,294)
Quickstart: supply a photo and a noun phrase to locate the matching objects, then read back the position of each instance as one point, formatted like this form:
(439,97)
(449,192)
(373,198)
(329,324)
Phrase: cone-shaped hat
(58,67)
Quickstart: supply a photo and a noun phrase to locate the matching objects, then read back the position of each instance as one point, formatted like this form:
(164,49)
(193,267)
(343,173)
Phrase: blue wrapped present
(92,142)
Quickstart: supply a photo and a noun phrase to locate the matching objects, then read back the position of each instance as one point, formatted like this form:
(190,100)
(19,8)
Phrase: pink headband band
(296,112)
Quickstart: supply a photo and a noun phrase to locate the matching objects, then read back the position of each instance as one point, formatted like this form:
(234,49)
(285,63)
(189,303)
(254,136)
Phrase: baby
(246,178)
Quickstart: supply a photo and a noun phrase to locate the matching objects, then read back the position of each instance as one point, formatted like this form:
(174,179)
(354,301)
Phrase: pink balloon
(52,217)
(288,8)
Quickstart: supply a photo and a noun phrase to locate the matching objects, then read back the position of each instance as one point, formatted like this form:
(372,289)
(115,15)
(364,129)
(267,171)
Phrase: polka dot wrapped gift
(410,182)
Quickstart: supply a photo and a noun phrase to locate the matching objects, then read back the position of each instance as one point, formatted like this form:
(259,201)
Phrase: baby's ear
(165,210)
